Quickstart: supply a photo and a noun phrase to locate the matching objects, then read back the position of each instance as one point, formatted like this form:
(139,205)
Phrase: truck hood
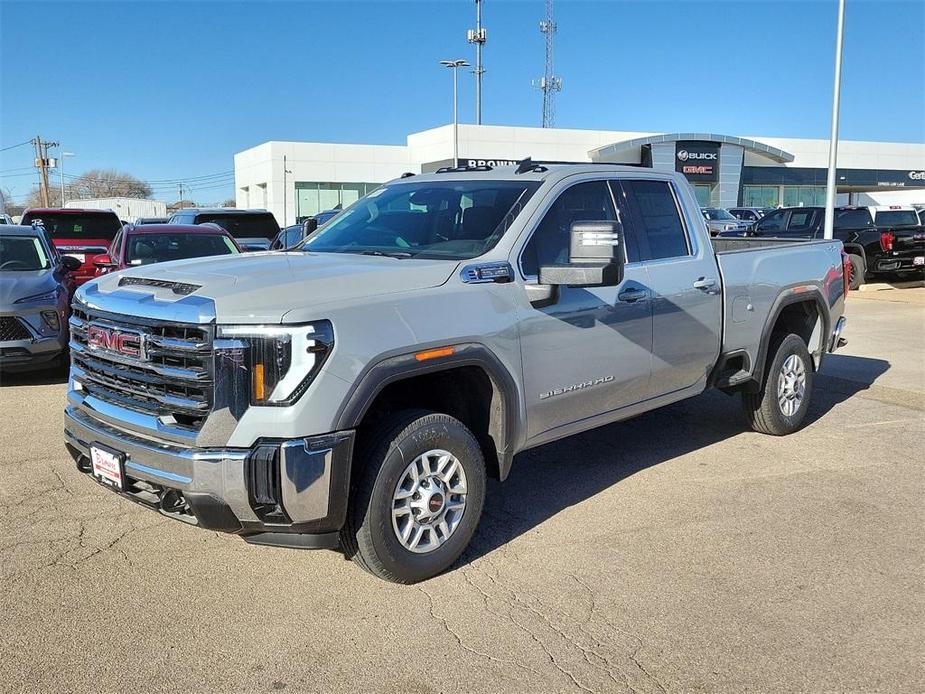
(262,287)
(15,285)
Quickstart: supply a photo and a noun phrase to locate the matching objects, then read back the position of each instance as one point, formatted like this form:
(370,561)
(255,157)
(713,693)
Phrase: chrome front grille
(170,375)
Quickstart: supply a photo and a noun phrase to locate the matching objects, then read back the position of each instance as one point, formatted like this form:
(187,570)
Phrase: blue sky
(170,90)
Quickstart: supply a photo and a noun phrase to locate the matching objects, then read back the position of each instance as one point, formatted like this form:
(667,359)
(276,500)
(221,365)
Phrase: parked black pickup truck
(872,250)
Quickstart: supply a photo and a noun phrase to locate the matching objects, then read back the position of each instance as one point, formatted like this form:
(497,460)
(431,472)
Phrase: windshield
(714,213)
(144,249)
(63,225)
(244,226)
(455,220)
(22,253)
(897,218)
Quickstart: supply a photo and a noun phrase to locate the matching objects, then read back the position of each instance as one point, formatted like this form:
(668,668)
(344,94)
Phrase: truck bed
(760,273)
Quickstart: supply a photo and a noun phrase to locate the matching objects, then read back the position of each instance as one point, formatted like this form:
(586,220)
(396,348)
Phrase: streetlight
(61,172)
(829,223)
(454,65)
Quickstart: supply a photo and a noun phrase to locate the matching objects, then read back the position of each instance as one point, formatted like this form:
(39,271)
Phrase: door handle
(705,283)
(632,295)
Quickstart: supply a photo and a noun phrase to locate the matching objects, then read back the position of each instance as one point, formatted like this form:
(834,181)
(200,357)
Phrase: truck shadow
(548,480)
(40,377)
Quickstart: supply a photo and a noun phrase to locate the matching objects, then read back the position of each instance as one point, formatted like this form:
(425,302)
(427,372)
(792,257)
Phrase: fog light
(51,319)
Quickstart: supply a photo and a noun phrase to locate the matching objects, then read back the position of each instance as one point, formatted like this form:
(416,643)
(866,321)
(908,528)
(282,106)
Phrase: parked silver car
(719,220)
(35,294)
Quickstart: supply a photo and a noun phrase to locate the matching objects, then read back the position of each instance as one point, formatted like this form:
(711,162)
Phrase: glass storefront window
(703,195)
(760,196)
(804,196)
(313,197)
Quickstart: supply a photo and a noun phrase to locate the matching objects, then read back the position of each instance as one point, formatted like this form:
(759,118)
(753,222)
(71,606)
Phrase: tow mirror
(70,263)
(595,257)
(309,226)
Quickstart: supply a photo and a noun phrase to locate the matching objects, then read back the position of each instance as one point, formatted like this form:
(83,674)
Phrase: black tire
(368,536)
(857,271)
(762,408)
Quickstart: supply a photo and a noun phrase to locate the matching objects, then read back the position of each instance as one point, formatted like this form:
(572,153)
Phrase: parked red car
(158,243)
(83,234)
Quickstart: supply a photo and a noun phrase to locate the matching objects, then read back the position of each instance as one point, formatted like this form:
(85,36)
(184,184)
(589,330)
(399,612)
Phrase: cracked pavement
(674,552)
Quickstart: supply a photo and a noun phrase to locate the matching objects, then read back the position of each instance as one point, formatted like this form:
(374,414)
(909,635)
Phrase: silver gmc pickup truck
(354,392)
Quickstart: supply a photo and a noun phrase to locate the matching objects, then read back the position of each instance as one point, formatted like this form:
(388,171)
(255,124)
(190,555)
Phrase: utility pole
(477,36)
(829,224)
(41,163)
(180,196)
(548,84)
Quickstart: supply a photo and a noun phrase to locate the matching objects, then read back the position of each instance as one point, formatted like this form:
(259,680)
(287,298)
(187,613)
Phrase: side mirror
(104,262)
(70,263)
(595,257)
(309,226)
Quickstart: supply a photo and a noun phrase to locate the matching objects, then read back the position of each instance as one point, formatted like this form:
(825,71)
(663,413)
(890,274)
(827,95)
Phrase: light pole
(61,172)
(285,171)
(827,230)
(454,65)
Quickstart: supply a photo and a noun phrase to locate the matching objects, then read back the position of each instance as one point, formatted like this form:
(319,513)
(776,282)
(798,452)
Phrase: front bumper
(39,345)
(280,492)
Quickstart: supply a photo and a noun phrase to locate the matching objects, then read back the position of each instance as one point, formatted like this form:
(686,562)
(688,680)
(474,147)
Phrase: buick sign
(698,161)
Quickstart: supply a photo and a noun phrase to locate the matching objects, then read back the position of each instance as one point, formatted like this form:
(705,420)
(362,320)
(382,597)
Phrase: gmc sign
(128,343)
(698,161)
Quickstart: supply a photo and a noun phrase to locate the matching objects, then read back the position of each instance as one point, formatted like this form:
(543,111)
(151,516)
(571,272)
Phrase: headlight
(51,319)
(44,297)
(282,360)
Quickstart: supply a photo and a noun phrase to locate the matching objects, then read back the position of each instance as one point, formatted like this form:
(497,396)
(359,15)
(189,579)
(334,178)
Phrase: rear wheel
(857,271)
(779,407)
(418,497)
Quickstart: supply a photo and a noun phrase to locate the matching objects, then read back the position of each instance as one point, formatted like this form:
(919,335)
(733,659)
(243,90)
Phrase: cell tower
(548,84)
(477,36)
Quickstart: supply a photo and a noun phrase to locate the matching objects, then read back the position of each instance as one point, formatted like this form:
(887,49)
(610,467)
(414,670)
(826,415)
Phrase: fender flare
(785,299)
(391,368)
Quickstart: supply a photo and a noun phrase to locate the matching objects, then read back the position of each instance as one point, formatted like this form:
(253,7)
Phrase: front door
(589,352)
(684,281)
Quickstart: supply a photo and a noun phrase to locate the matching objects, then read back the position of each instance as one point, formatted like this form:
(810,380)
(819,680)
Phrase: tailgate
(86,251)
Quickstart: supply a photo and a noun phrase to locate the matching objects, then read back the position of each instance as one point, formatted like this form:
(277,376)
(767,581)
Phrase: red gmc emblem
(125,342)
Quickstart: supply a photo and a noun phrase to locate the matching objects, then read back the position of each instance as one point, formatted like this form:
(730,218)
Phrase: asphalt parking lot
(674,552)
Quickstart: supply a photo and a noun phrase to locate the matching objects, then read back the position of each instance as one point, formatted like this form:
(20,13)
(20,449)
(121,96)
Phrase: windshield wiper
(389,254)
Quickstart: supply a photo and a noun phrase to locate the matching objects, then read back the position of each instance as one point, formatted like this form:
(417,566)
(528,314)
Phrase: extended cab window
(801,221)
(649,208)
(583,202)
(776,221)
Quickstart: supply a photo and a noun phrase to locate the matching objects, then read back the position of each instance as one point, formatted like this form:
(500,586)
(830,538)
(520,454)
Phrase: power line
(21,144)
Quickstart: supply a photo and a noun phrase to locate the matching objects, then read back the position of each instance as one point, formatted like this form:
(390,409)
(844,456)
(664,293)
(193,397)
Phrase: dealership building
(298,179)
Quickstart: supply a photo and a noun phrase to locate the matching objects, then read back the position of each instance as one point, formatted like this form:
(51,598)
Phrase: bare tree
(34,198)
(107,183)
(230,202)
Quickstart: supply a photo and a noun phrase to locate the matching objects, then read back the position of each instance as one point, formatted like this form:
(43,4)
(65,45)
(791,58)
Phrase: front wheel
(417,498)
(779,407)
